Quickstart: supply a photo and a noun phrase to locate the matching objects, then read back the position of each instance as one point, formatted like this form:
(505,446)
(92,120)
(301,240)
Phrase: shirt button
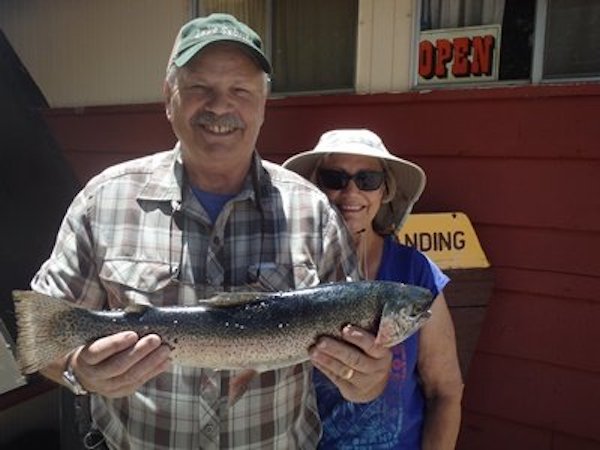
(209,429)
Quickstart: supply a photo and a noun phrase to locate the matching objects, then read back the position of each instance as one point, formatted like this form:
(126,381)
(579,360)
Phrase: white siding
(113,52)
(385,33)
(96,52)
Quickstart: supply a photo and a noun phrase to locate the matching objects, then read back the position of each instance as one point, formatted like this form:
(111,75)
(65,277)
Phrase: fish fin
(238,385)
(224,299)
(386,334)
(136,308)
(40,325)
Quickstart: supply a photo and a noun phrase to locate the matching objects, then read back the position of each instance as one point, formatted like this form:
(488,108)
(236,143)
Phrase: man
(205,217)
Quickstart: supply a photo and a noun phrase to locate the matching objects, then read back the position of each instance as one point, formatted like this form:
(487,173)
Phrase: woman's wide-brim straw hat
(409,178)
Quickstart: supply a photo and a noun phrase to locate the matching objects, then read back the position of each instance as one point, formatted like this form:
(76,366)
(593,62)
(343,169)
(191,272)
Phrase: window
(572,47)
(526,40)
(495,34)
(311,43)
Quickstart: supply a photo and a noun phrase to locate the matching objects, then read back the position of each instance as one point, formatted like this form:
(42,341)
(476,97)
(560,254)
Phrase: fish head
(404,312)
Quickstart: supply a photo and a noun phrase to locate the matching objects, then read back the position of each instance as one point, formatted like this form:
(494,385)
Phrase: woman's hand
(357,366)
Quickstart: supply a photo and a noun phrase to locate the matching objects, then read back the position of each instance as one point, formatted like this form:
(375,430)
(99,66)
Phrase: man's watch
(71,380)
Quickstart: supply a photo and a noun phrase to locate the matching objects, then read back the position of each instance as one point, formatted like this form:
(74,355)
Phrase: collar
(168,181)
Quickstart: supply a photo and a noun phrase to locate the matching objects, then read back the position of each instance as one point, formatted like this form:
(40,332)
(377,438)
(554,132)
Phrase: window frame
(197,9)
(537,56)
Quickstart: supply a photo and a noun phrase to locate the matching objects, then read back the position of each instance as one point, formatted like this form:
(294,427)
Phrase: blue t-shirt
(394,420)
(212,203)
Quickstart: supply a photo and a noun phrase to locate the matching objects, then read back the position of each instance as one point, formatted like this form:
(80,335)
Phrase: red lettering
(467,57)
(444,55)
(426,57)
(461,66)
(482,55)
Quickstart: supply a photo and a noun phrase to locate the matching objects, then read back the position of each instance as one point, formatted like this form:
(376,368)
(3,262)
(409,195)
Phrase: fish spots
(268,333)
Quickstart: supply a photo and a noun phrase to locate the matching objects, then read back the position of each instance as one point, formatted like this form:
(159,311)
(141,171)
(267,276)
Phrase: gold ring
(348,374)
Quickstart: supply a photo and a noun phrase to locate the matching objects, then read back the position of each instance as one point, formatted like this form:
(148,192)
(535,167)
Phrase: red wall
(523,164)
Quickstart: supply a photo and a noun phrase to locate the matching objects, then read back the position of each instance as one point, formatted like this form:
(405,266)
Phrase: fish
(259,331)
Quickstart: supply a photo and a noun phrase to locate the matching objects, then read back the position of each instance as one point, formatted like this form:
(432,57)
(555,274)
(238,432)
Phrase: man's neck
(216,177)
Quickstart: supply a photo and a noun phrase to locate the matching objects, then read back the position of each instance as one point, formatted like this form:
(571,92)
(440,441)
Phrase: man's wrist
(70,379)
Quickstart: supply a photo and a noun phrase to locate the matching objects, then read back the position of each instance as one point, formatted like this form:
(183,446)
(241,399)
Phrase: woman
(375,191)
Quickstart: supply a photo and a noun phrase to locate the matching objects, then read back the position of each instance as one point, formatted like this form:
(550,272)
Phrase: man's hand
(358,367)
(116,365)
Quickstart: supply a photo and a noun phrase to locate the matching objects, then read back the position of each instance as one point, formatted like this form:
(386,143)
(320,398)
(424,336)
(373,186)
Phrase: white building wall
(112,52)
(385,35)
(94,52)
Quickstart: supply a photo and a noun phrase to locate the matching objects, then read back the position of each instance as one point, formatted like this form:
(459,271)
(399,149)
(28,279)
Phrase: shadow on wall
(46,439)
(36,183)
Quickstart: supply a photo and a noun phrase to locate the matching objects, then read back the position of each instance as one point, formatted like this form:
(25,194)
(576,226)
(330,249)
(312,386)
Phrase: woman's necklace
(369,248)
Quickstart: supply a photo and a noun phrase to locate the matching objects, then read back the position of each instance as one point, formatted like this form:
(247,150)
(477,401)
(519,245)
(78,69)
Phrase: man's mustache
(224,120)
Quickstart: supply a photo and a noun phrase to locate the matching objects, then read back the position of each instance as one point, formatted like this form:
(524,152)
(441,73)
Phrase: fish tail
(40,337)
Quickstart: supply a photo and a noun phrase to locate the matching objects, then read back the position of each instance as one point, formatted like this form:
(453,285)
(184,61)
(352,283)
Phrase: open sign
(459,55)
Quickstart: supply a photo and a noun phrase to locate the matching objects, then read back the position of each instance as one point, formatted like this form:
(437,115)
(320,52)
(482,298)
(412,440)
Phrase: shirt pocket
(130,281)
(282,277)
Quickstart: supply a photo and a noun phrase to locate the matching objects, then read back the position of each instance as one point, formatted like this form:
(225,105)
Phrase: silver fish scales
(251,330)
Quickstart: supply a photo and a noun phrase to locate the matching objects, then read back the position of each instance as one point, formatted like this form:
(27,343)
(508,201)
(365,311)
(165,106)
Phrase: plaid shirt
(136,233)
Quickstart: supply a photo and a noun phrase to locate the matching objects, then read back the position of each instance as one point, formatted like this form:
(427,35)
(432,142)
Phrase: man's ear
(167,96)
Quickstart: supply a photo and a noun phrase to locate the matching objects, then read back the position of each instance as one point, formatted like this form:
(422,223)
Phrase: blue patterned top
(395,419)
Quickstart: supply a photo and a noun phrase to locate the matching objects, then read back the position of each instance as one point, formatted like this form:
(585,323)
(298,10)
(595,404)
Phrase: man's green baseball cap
(203,31)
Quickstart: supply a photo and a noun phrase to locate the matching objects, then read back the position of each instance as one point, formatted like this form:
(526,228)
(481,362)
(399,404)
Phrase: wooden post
(450,241)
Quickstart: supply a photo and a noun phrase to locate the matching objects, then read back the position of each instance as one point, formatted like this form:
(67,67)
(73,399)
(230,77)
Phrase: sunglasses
(365,180)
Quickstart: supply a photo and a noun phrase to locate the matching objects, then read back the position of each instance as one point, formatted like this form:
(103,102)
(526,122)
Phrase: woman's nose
(351,186)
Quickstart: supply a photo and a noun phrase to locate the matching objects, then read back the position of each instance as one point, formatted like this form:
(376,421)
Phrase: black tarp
(36,182)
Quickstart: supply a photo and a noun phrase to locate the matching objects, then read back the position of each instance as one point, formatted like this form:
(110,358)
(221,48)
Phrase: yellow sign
(448,239)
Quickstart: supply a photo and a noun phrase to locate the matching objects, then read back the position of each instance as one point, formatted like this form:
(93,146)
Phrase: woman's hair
(390,183)
(313,178)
